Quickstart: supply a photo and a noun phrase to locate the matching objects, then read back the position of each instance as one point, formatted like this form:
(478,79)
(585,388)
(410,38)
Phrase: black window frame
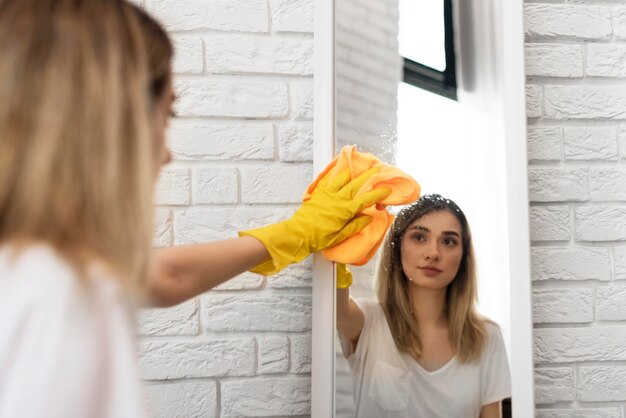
(444,82)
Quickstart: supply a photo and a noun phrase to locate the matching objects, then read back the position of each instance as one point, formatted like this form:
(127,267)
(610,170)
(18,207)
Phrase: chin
(431,283)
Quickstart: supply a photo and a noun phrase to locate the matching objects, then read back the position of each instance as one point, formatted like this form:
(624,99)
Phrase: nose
(432,252)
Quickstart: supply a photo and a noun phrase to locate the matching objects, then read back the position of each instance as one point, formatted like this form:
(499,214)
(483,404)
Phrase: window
(427,46)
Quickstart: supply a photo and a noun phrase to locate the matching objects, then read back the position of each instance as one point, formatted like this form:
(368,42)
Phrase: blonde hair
(467,331)
(77,152)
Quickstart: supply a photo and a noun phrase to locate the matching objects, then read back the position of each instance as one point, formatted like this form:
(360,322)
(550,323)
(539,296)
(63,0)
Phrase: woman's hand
(328,217)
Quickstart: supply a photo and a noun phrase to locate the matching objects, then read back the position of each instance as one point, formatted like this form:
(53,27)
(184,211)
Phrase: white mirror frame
(323,308)
(507,50)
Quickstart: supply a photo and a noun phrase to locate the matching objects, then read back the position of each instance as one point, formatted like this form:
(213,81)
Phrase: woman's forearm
(180,273)
(350,318)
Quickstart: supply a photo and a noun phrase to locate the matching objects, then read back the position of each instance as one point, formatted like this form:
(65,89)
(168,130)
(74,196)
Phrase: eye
(449,242)
(418,237)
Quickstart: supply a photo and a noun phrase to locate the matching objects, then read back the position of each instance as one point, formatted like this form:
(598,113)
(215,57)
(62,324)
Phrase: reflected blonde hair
(467,331)
(77,153)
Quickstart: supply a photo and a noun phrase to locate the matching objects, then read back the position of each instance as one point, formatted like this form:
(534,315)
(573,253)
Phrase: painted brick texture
(242,144)
(576,109)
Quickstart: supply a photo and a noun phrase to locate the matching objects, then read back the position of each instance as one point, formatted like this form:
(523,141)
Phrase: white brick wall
(242,146)
(576,108)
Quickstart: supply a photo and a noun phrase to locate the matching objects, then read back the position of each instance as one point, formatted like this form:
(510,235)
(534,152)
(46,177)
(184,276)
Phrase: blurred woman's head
(80,85)
(159,52)
(429,246)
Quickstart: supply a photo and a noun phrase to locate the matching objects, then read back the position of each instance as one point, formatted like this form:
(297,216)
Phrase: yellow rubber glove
(344,276)
(326,219)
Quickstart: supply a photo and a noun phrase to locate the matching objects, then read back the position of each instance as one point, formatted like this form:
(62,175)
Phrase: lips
(430,270)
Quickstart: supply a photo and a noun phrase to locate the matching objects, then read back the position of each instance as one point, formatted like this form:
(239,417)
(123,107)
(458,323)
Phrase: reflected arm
(180,273)
(492,410)
(350,317)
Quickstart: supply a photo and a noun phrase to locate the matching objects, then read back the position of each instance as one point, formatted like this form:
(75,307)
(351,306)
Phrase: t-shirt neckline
(421,368)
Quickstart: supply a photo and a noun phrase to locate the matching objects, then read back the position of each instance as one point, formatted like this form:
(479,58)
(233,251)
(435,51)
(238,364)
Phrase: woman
(85,94)
(422,350)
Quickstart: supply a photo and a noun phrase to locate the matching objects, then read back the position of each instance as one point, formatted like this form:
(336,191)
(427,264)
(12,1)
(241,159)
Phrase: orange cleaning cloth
(359,248)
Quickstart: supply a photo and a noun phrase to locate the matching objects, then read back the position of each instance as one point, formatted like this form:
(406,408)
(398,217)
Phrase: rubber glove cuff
(285,244)
(344,276)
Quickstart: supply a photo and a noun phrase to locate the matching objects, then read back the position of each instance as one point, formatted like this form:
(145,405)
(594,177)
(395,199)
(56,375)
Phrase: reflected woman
(423,350)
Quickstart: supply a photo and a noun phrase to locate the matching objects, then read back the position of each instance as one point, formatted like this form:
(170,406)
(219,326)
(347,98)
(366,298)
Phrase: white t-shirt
(391,384)
(67,347)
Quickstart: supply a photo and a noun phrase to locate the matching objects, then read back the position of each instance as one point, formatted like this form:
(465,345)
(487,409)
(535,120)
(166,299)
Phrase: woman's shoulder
(367,302)
(39,272)
(35,262)
(493,334)
(491,327)
(376,338)
(370,307)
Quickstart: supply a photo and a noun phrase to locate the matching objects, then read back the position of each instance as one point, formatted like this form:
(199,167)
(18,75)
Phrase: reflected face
(431,250)
(163,112)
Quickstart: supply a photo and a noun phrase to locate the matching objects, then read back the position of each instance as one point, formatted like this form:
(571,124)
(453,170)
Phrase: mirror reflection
(420,348)
(412,337)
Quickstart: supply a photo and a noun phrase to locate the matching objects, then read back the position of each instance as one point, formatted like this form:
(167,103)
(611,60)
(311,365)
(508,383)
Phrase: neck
(429,306)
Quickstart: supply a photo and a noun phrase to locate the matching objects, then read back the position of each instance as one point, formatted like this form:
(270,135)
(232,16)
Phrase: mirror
(466,150)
